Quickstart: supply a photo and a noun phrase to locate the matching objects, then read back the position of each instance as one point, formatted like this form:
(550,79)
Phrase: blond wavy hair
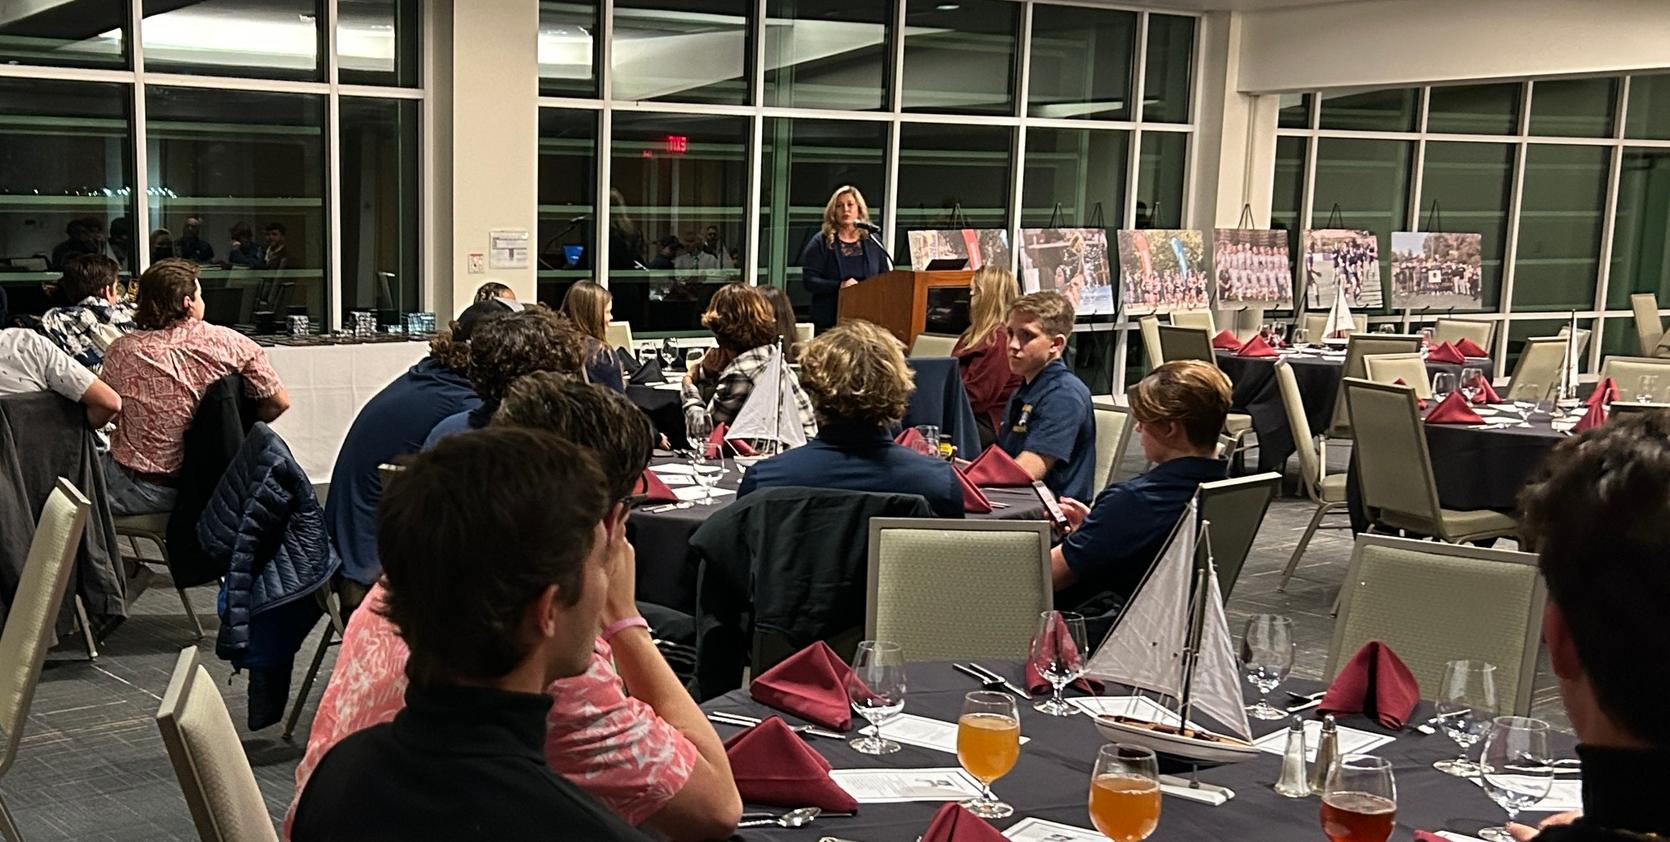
(1053,311)
(1191,392)
(829,225)
(989,309)
(856,373)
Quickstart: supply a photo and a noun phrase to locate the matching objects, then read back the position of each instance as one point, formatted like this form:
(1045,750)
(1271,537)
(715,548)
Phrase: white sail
(1339,316)
(1145,647)
(1216,689)
(757,420)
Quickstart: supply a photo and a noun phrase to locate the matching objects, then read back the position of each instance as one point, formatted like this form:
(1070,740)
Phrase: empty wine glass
(876,688)
(697,427)
(1465,707)
(1514,768)
(1426,337)
(1125,792)
(1472,381)
(1443,383)
(1058,654)
(1359,800)
(1266,659)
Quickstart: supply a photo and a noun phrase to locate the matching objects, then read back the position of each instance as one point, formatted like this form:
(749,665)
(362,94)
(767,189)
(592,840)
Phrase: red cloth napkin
(1595,417)
(1469,348)
(1444,352)
(997,469)
(1605,392)
(1036,683)
(1486,394)
(654,489)
(1226,340)
(1423,836)
(772,765)
(1374,683)
(811,684)
(1420,403)
(974,500)
(716,441)
(909,438)
(1454,410)
(954,823)
(1257,347)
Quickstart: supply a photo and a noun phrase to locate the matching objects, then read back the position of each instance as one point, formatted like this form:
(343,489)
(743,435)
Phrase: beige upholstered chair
(1537,373)
(949,589)
(1327,492)
(1185,343)
(1624,409)
(1315,322)
(803,331)
(154,528)
(31,619)
(1113,432)
(1151,351)
(1195,318)
(1235,508)
(1247,322)
(933,345)
(1649,328)
(1363,345)
(619,335)
(209,760)
(1394,469)
(1450,330)
(1389,368)
(1631,373)
(1434,603)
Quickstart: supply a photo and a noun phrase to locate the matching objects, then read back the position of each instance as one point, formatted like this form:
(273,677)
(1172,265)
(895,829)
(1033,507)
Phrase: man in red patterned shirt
(161,371)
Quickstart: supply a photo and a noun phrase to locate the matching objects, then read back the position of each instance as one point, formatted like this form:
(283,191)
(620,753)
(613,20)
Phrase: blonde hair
(1191,392)
(1052,310)
(829,225)
(586,305)
(856,372)
(989,309)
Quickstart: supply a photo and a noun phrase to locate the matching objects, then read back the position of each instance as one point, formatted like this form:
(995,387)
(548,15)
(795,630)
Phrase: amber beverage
(988,745)
(1124,808)
(1357,817)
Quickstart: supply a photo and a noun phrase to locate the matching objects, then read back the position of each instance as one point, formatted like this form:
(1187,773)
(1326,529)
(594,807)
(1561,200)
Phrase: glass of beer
(1359,801)
(1125,792)
(988,744)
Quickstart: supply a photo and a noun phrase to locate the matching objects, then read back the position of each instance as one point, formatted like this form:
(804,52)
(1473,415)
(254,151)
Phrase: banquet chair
(1327,492)
(1388,368)
(1195,318)
(1186,343)
(619,335)
(933,586)
(208,758)
(1537,372)
(1394,469)
(1315,322)
(1649,328)
(1632,373)
(803,331)
(1113,432)
(1359,346)
(1624,409)
(31,620)
(153,527)
(1433,603)
(933,345)
(1450,330)
(1248,322)
(1149,327)
(1235,508)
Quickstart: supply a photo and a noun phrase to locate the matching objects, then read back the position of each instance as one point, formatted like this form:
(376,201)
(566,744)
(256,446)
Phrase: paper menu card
(894,786)
(922,732)
(1351,740)
(1037,830)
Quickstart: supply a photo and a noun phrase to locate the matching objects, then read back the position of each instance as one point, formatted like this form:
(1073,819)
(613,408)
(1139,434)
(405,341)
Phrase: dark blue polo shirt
(1051,416)
(860,458)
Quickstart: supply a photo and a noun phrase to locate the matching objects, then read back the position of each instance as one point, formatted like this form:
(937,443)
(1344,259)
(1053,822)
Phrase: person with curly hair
(504,348)
(860,385)
(716,388)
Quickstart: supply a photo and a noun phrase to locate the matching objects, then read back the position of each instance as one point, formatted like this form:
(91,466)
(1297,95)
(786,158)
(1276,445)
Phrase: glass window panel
(1170,71)
(381,200)
(1294,111)
(1648,115)
(1388,110)
(1560,218)
(951,176)
(1471,184)
(567,48)
(828,53)
(802,162)
(1074,178)
(377,42)
(1369,182)
(1160,179)
(675,176)
(568,203)
(1474,109)
(1081,62)
(1573,107)
(960,57)
(250,167)
(64,156)
(271,39)
(687,51)
(75,33)
(1640,252)
(1618,339)
(1287,194)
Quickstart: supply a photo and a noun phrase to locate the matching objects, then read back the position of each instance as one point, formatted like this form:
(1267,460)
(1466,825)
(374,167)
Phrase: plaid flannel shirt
(720,400)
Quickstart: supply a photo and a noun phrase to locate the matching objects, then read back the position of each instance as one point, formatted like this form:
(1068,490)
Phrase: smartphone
(1054,508)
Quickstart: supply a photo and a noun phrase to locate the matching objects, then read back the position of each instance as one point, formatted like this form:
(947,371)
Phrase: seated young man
(98,317)
(1179,409)
(497,548)
(625,730)
(860,385)
(29,362)
(1049,427)
(503,348)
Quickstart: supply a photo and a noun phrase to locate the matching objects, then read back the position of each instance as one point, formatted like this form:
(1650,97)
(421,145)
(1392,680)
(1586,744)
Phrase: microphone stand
(572,224)
(884,252)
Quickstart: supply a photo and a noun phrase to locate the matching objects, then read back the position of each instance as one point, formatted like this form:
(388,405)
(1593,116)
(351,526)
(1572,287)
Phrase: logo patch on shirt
(1020,423)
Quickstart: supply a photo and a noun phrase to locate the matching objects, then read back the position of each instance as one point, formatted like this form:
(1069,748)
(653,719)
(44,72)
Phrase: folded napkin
(1444,352)
(717,442)
(1035,681)
(1376,684)
(1256,347)
(1605,392)
(997,469)
(629,364)
(1418,401)
(974,500)
(1453,410)
(1594,417)
(772,765)
(909,438)
(811,684)
(1226,341)
(1486,394)
(954,823)
(1469,348)
(654,490)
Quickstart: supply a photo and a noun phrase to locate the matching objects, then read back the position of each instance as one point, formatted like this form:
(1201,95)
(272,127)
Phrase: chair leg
(86,628)
(8,825)
(307,683)
(185,600)
(1310,530)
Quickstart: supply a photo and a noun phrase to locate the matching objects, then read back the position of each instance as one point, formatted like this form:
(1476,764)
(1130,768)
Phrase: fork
(743,721)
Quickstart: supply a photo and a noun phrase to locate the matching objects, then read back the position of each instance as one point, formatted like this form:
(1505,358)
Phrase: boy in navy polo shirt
(1049,427)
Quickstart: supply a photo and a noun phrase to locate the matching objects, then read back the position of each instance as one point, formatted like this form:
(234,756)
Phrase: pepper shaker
(1327,752)
(1293,783)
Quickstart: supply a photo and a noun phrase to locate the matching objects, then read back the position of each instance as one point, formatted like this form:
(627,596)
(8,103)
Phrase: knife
(728,718)
(994,677)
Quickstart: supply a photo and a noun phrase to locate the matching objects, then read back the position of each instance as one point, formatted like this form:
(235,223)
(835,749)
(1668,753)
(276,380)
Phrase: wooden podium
(897,300)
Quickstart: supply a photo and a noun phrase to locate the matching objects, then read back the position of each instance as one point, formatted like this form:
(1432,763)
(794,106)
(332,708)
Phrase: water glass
(1472,382)
(1266,658)
(693,358)
(1388,328)
(1058,653)
(1359,800)
(988,744)
(1514,768)
(876,688)
(1465,708)
(928,444)
(1443,383)
(298,326)
(1125,792)
(1426,337)
(1301,336)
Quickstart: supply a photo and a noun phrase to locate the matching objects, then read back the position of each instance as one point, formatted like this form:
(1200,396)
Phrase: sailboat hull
(1168,741)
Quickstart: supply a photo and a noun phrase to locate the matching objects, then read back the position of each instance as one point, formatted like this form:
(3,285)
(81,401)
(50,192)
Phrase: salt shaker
(1327,751)
(1293,783)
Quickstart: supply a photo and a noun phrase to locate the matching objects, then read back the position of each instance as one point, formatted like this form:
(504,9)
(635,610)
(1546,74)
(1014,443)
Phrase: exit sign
(677,144)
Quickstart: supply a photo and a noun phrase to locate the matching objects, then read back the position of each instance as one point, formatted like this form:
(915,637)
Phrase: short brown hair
(87,274)
(163,290)
(740,318)
(856,373)
(1192,393)
(1052,310)
(503,348)
(599,419)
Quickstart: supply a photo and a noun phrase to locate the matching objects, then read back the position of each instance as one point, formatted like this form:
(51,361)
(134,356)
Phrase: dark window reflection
(952,177)
(380,204)
(567,200)
(685,51)
(1081,62)
(960,57)
(377,42)
(74,33)
(567,48)
(274,39)
(828,53)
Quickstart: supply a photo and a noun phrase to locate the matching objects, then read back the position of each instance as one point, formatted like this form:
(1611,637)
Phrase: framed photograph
(1161,270)
(1071,261)
(1436,271)
(979,246)
(1251,268)
(1342,260)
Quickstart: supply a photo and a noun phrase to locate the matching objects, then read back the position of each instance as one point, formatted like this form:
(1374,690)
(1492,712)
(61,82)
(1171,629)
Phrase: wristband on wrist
(623,624)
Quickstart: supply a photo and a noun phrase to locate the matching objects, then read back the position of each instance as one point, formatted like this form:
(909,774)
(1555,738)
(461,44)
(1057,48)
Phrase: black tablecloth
(661,537)
(1052,778)
(941,401)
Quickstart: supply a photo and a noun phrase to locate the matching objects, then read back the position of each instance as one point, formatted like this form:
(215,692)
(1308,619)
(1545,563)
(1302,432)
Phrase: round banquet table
(661,535)
(1318,377)
(1052,778)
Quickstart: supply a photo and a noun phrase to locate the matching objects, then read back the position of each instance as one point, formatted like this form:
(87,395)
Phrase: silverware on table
(1306,700)
(993,679)
(744,721)
(799,817)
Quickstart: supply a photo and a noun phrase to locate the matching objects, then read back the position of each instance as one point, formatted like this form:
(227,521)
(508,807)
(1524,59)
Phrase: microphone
(868,226)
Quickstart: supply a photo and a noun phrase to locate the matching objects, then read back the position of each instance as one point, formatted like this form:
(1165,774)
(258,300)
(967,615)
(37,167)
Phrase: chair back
(1389,368)
(1113,431)
(1186,343)
(208,758)
(1631,373)
(619,335)
(33,615)
(1394,468)
(1194,318)
(1538,371)
(1433,603)
(1248,322)
(933,345)
(1235,508)
(803,331)
(1450,330)
(1149,326)
(933,582)
(1362,345)
(1315,322)
(1649,328)
(1304,442)
(1624,409)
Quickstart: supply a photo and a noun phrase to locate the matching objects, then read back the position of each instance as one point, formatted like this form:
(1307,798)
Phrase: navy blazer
(850,457)
(823,275)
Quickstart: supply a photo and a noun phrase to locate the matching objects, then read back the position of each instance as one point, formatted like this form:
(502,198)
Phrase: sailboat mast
(777,400)
(1197,622)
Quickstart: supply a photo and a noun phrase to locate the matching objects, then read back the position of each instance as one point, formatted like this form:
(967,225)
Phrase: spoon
(793,818)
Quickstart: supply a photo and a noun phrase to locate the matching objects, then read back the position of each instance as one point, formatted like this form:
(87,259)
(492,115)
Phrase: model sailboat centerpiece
(769,418)
(1172,639)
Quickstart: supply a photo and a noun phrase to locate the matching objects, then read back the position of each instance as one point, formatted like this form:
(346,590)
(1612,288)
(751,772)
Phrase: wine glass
(697,427)
(1514,768)
(1359,800)
(1058,652)
(1465,707)
(988,744)
(1443,383)
(1646,388)
(693,358)
(1301,336)
(928,444)
(1266,658)
(1426,337)
(1388,328)
(876,688)
(1472,381)
(1125,792)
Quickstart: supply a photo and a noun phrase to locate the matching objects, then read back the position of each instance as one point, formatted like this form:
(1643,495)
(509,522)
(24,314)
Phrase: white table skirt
(328,385)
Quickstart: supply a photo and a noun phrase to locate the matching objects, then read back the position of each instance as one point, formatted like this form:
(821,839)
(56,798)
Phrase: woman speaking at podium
(840,254)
